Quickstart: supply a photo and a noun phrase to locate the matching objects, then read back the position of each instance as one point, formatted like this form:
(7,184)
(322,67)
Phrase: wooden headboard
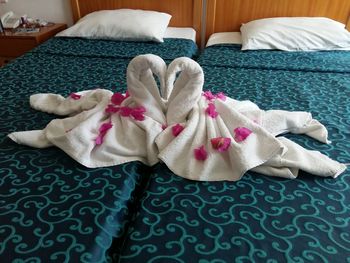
(228,15)
(185,13)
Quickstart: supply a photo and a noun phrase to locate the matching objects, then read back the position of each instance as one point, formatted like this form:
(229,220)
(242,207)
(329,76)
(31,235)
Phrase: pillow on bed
(121,24)
(295,33)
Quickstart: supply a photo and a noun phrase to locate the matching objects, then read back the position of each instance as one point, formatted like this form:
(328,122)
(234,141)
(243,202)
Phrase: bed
(258,218)
(52,208)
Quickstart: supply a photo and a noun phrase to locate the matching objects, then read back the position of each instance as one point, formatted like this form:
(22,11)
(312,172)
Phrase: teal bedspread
(232,56)
(259,218)
(51,208)
(170,49)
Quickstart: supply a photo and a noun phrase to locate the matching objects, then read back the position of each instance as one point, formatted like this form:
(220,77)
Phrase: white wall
(58,11)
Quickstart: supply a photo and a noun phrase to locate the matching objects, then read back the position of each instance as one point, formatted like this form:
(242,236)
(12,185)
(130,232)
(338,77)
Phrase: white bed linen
(224,38)
(231,38)
(181,32)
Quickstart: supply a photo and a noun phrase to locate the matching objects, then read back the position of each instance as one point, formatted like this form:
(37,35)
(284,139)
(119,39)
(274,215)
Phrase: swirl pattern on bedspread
(231,56)
(170,49)
(259,218)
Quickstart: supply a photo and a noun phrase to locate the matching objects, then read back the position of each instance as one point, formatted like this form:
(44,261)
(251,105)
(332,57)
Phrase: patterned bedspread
(51,208)
(170,49)
(259,218)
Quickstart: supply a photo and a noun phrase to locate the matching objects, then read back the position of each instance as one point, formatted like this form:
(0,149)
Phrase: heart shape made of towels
(180,88)
(198,135)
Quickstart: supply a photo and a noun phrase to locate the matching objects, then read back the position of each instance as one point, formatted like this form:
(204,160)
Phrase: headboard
(228,15)
(185,13)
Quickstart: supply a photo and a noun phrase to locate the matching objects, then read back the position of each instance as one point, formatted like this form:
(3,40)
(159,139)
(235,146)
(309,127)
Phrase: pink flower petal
(102,132)
(75,96)
(177,129)
(111,109)
(127,95)
(208,95)
(200,153)
(221,96)
(117,98)
(138,113)
(221,143)
(241,133)
(99,139)
(125,111)
(164,126)
(211,110)
(105,127)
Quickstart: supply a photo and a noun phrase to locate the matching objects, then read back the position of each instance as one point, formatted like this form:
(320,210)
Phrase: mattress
(53,209)
(259,218)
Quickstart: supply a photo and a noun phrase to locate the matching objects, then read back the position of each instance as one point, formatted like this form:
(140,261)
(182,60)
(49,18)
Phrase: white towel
(127,140)
(180,121)
(296,158)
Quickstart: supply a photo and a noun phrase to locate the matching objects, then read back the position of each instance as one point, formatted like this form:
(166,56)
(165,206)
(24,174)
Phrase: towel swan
(198,135)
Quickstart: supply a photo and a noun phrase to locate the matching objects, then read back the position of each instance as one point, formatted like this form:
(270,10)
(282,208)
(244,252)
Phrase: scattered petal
(241,133)
(138,113)
(200,153)
(105,127)
(75,96)
(177,129)
(221,143)
(111,109)
(208,95)
(164,126)
(211,110)
(127,95)
(99,139)
(125,111)
(221,96)
(117,98)
(103,130)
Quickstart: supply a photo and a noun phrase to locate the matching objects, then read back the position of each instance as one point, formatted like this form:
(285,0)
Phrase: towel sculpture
(198,135)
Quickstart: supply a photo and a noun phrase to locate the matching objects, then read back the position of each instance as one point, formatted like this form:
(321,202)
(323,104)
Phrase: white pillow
(295,33)
(121,24)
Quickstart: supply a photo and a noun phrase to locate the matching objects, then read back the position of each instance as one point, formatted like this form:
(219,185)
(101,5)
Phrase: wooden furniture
(185,13)
(13,44)
(228,15)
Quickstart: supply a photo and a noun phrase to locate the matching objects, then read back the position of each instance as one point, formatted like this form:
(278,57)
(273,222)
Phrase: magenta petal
(75,96)
(127,95)
(241,133)
(138,113)
(164,126)
(221,96)
(125,111)
(221,144)
(111,109)
(200,153)
(139,109)
(105,127)
(103,130)
(99,140)
(208,95)
(117,98)
(211,110)
(177,129)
